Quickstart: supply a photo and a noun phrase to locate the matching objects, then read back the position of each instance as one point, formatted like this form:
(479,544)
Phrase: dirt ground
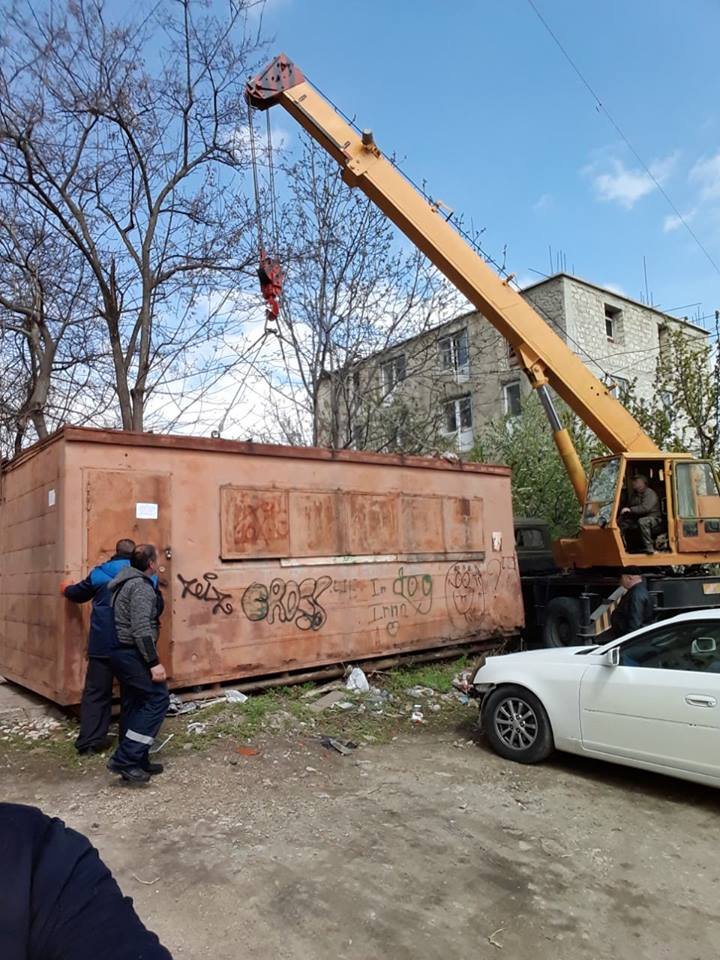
(423,847)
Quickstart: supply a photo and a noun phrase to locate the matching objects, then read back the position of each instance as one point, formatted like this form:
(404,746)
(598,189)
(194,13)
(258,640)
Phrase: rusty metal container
(274,559)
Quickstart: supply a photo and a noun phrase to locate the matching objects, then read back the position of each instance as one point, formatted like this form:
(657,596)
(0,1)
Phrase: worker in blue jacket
(58,898)
(96,704)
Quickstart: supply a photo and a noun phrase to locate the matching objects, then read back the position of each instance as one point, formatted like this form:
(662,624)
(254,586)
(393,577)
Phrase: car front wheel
(517,726)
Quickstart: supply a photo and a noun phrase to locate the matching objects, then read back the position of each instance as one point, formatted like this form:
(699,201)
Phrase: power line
(603,109)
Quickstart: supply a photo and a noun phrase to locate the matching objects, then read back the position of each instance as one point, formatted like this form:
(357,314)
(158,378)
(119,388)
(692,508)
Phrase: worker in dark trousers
(143,687)
(635,609)
(59,900)
(96,703)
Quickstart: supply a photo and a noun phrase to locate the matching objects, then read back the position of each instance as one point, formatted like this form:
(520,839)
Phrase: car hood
(552,654)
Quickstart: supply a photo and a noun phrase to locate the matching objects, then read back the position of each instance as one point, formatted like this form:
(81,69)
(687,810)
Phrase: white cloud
(673,221)
(240,140)
(615,288)
(543,202)
(706,174)
(625,185)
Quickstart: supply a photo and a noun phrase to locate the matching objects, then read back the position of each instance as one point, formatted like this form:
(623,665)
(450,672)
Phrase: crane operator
(642,513)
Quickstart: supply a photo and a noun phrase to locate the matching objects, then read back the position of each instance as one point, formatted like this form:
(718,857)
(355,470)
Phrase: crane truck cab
(689,498)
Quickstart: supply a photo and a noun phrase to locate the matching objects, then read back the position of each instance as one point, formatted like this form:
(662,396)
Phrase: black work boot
(152,768)
(135,775)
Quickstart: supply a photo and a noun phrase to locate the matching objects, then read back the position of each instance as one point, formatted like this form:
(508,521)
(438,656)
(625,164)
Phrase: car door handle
(696,700)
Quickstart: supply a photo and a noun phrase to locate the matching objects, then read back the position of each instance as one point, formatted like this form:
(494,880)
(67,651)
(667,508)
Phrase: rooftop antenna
(647,294)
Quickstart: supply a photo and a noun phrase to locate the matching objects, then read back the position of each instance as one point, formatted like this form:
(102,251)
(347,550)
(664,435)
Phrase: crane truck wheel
(562,622)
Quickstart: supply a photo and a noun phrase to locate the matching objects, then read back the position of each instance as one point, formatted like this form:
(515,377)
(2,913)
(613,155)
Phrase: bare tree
(351,289)
(50,346)
(125,133)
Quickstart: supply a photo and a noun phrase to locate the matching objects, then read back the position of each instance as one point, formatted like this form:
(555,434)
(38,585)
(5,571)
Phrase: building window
(619,385)
(512,402)
(454,354)
(458,421)
(612,322)
(392,372)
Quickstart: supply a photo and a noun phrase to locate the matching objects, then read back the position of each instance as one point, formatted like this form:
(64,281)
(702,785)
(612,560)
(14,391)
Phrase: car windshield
(582,653)
(601,492)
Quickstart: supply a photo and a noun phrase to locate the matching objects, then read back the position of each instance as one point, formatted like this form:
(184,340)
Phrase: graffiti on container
(412,594)
(206,592)
(286,601)
(348,588)
(388,615)
(464,593)
(417,589)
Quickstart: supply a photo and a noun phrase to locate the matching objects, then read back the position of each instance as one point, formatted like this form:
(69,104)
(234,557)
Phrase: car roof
(708,613)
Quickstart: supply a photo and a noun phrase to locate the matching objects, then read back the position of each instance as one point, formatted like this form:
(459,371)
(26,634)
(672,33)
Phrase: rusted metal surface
(273,560)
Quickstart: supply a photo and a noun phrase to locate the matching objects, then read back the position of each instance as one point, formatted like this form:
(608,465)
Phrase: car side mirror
(611,657)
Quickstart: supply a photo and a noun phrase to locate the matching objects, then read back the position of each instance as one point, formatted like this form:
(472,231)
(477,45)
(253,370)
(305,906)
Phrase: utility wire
(600,106)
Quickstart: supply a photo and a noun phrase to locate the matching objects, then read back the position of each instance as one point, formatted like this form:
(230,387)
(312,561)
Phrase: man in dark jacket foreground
(135,662)
(635,609)
(58,898)
(96,704)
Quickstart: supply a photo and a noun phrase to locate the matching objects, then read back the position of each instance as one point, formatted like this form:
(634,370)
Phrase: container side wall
(286,563)
(31,567)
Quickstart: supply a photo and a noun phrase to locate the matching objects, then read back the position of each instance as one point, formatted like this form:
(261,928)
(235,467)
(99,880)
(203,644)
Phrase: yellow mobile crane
(687,488)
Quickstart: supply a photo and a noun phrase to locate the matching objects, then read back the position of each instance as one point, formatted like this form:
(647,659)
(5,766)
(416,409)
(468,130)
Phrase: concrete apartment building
(449,381)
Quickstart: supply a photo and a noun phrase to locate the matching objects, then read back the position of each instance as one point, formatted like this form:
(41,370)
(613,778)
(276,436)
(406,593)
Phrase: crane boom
(545,357)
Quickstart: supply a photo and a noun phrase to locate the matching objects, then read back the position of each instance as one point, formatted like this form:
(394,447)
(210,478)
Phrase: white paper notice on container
(51,498)
(146,511)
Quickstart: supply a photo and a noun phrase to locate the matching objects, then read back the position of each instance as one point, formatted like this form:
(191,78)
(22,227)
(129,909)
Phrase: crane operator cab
(661,510)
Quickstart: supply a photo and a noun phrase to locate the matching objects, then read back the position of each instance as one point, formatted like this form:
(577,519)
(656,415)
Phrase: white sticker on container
(146,511)
(51,498)
(497,541)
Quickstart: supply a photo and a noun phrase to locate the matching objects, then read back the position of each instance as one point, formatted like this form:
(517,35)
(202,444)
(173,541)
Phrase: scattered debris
(196,727)
(417,714)
(148,882)
(247,751)
(345,705)
(329,700)
(316,691)
(416,692)
(32,729)
(235,696)
(435,707)
(357,681)
(493,941)
(463,682)
(178,707)
(344,747)
(157,749)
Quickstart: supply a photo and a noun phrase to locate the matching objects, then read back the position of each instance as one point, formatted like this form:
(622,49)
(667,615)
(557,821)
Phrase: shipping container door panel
(136,505)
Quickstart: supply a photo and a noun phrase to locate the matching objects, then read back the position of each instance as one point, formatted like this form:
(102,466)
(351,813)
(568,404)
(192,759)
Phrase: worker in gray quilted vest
(137,604)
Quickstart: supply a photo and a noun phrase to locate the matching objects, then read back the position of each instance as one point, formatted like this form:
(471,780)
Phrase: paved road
(417,850)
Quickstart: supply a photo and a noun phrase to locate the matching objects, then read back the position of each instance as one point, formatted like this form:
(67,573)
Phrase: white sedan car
(649,700)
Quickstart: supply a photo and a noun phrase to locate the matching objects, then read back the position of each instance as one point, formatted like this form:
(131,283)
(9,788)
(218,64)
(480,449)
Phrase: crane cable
(269,270)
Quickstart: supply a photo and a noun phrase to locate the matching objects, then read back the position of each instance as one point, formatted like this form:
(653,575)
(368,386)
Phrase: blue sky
(482,105)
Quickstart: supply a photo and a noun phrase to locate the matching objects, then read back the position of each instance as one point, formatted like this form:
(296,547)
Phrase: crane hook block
(271,280)
(264,89)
